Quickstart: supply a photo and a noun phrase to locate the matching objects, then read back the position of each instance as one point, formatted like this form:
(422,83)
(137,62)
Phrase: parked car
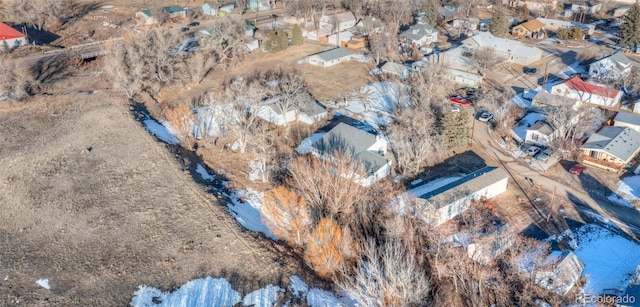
(455,109)
(533,150)
(485,116)
(460,100)
(530,70)
(577,169)
(184,29)
(194,24)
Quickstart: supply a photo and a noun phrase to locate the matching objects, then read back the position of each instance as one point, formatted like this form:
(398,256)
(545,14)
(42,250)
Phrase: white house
(259,5)
(442,204)
(611,148)
(366,148)
(555,24)
(329,57)
(337,22)
(624,119)
(611,68)
(419,35)
(307,111)
(399,70)
(208,8)
(491,245)
(464,78)
(534,5)
(540,134)
(587,7)
(599,95)
(146,17)
(11,37)
(511,50)
(564,273)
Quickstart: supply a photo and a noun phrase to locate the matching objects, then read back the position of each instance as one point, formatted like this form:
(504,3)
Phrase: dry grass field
(92,202)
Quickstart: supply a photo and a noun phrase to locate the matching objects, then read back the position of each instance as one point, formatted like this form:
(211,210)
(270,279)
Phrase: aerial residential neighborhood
(320,153)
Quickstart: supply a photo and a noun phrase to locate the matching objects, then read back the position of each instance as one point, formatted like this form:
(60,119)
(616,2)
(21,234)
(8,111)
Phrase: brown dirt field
(100,223)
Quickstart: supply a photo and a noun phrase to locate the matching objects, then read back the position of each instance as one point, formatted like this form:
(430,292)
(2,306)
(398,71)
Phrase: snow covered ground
(305,145)
(376,101)
(245,207)
(628,191)
(520,131)
(609,258)
(219,292)
(41,282)
(160,131)
(204,173)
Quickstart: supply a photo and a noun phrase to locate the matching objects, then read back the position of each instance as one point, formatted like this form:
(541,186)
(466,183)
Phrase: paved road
(628,219)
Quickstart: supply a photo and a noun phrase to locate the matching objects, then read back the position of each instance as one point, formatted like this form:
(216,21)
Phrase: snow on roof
(542,127)
(418,31)
(341,17)
(503,45)
(7,32)
(549,99)
(575,83)
(394,68)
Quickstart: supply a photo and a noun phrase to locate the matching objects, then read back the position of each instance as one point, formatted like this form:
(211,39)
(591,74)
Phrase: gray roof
(542,127)
(333,54)
(553,100)
(464,186)
(173,9)
(312,108)
(354,142)
(619,57)
(627,118)
(395,68)
(620,142)
(501,45)
(418,31)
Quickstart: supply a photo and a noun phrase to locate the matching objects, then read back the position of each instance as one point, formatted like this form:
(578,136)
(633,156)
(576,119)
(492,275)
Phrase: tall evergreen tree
(296,35)
(283,39)
(630,29)
(499,24)
(272,44)
(455,128)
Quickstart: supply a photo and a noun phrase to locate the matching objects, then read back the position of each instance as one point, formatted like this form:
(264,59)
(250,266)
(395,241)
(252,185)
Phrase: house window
(593,154)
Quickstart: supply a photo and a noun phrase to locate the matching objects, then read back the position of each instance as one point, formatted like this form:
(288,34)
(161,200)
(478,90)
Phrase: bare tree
(485,59)
(39,12)
(15,82)
(415,136)
(387,275)
(287,87)
(227,40)
(329,248)
(199,64)
(378,46)
(125,69)
(572,124)
(328,186)
(287,215)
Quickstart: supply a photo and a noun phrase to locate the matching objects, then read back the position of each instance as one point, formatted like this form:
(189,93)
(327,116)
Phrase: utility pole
(553,199)
(546,77)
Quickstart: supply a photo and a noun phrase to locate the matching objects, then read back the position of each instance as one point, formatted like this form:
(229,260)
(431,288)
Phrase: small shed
(329,57)
(399,70)
(11,37)
(208,8)
(464,78)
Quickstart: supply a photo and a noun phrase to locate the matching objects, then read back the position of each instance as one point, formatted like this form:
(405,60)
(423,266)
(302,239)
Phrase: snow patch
(40,282)
(305,145)
(264,297)
(376,101)
(297,286)
(198,292)
(609,258)
(256,170)
(322,298)
(160,131)
(204,173)
(245,207)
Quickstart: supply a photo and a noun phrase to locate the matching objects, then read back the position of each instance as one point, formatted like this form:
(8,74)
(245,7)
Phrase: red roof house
(11,36)
(576,88)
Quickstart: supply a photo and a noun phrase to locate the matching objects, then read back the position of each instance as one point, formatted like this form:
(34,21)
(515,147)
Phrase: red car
(459,100)
(577,169)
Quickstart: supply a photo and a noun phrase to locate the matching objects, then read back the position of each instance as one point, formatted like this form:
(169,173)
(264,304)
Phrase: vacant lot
(92,202)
